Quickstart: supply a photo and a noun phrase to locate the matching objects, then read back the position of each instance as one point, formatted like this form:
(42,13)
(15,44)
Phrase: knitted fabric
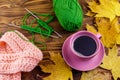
(17,55)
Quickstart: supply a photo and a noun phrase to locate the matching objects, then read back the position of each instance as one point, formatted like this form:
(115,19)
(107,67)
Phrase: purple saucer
(81,64)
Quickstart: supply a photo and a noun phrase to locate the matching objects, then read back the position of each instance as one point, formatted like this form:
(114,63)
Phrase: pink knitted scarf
(17,54)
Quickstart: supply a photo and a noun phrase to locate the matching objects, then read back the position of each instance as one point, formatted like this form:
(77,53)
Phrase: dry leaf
(109,9)
(112,62)
(91,29)
(58,69)
(96,74)
(110,31)
(89,13)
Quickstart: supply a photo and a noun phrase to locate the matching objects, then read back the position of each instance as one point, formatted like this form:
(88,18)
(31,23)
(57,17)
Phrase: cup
(83,50)
(85,44)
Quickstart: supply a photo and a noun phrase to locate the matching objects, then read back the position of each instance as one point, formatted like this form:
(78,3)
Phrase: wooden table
(12,11)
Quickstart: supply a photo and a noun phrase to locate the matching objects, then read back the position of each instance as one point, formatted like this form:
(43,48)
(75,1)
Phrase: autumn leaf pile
(106,14)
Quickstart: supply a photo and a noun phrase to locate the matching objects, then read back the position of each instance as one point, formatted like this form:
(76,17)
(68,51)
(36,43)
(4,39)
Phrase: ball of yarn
(69,14)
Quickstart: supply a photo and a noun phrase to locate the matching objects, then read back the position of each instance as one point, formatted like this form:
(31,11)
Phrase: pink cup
(83,61)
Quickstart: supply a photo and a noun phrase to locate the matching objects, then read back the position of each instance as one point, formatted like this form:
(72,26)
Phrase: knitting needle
(38,18)
(58,34)
(14,25)
(20,27)
(31,13)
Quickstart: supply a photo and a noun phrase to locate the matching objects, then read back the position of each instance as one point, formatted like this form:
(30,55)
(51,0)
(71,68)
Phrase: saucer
(81,64)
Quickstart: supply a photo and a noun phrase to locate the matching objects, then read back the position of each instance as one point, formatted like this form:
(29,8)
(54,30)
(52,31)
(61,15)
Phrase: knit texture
(17,55)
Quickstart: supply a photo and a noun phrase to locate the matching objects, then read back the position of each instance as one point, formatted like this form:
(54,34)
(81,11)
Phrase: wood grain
(12,11)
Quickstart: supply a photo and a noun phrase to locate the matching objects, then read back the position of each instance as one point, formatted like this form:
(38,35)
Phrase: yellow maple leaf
(59,69)
(110,31)
(96,74)
(91,29)
(109,9)
(112,62)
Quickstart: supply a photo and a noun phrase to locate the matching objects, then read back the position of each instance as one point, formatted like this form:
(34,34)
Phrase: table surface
(12,11)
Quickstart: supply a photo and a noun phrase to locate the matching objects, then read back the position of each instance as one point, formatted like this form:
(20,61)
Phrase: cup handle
(99,35)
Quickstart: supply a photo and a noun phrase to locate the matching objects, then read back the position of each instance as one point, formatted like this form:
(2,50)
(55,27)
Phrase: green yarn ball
(69,14)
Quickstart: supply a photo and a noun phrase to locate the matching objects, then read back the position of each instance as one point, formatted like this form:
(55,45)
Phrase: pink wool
(17,55)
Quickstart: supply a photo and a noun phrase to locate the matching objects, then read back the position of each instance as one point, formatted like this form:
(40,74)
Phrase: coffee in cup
(84,45)
(83,50)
